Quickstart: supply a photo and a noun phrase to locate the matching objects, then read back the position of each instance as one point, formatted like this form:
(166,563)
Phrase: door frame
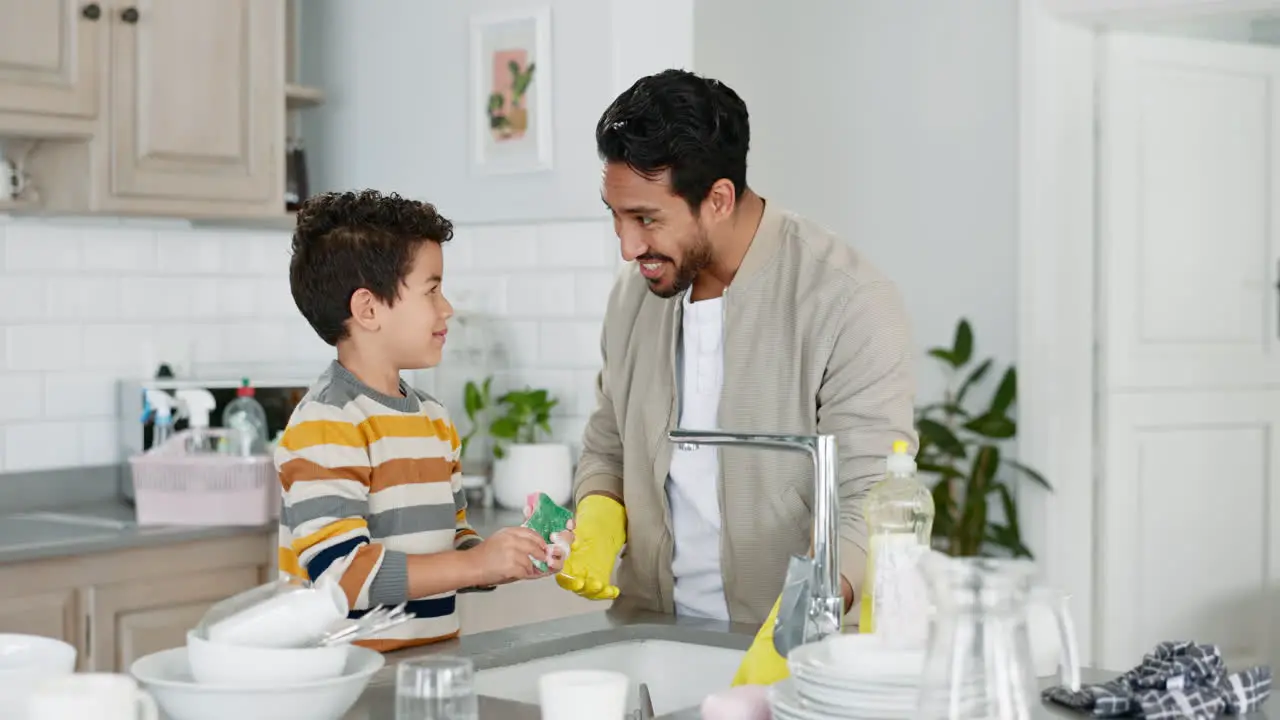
(1059,419)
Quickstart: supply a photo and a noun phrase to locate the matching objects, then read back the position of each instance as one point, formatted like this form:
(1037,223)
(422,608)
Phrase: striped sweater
(368,479)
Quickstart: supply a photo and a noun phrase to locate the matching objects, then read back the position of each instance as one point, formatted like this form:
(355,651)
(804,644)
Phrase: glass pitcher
(978,660)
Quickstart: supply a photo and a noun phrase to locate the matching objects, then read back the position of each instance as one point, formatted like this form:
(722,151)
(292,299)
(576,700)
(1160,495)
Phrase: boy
(369,466)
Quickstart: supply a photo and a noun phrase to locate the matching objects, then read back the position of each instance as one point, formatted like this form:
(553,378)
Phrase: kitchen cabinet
(115,607)
(521,603)
(182,103)
(49,81)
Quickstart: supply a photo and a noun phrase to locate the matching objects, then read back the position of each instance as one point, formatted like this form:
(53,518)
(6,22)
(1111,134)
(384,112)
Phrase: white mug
(91,696)
(583,695)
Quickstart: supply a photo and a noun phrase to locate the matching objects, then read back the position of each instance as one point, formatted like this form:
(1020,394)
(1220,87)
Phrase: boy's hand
(504,556)
(558,550)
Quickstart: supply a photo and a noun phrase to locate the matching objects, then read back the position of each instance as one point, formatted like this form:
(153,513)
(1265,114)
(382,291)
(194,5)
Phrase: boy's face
(414,327)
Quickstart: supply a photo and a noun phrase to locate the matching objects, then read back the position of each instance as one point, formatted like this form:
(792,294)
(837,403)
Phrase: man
(735,315)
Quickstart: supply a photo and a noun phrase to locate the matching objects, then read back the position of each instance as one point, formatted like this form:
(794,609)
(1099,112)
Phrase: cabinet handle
(92,11)
(129,15)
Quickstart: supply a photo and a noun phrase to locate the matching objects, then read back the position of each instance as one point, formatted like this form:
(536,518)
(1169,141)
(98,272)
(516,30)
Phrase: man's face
(656,228)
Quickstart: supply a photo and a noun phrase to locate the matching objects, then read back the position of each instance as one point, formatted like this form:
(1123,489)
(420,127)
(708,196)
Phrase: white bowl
(222,663)
(167,676)
(25,660)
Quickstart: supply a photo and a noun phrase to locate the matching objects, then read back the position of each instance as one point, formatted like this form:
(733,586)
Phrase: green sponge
(545,518)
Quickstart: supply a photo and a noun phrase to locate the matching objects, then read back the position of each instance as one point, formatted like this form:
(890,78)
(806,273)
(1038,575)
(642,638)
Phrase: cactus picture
(511,97)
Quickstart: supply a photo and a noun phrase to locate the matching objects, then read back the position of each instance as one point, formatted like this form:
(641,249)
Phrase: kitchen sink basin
(679,674)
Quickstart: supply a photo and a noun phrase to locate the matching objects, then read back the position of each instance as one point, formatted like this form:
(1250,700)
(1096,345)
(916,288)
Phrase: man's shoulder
(816,249)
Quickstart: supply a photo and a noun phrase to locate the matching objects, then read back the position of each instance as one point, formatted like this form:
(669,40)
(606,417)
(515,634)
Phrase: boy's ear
(364,310)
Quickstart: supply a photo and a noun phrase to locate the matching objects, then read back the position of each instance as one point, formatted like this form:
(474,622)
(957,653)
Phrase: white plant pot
(526,469)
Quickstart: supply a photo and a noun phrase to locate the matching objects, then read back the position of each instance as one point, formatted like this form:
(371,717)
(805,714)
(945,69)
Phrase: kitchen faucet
(812,604)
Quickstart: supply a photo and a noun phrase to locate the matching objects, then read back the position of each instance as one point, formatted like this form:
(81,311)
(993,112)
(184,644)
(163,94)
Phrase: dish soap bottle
(900,514)
(245,415)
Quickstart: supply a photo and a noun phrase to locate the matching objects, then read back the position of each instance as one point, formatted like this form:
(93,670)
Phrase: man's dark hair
(693,126)
(352,240)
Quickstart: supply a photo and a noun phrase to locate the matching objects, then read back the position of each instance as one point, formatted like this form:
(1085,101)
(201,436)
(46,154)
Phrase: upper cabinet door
(48,57)
(197,100)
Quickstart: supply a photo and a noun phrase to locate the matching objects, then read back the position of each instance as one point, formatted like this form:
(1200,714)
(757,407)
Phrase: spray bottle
(157,406)
(198,403)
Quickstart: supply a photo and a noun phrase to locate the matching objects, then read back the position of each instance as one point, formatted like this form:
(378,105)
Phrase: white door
(1189,349)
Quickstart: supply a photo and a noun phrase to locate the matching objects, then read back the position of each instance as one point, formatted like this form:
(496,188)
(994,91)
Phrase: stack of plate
(848,677)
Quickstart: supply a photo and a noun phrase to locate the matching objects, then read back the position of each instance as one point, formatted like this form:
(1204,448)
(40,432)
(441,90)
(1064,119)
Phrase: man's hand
(505,556)
(762,664)
(601,531)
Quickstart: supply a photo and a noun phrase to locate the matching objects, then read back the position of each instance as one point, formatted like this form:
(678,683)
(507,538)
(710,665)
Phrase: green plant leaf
(962,346)
(945,408)
(940,435)
(974,378)
(945,356)
(1034,476)
(505,428)
(944,472)
(995,426)
(498,452)
(1006,393)
(472,400)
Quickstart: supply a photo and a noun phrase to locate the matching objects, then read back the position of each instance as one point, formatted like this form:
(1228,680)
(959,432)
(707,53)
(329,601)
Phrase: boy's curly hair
(352,240)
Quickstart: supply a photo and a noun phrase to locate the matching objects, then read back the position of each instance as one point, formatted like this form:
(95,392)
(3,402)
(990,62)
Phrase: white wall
(894,124)
(83,304)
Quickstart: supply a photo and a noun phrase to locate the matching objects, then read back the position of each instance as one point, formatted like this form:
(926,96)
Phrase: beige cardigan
(816,340)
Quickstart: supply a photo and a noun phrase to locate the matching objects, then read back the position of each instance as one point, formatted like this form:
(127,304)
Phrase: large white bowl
(25,660)
(167,676)
(219,663)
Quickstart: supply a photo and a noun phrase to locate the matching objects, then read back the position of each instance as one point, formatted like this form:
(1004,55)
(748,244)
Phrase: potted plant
(961,446)
(477,403)
(522,464)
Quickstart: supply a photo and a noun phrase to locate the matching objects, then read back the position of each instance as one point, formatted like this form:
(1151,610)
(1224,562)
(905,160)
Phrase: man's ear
(364,310)
(720,201)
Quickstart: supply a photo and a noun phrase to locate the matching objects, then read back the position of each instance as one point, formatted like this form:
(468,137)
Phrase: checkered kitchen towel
(1176,680)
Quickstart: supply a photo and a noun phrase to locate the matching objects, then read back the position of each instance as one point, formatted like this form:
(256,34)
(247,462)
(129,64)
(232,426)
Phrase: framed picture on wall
(510,111)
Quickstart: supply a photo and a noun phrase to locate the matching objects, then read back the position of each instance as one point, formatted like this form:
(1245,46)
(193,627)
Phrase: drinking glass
(436,688)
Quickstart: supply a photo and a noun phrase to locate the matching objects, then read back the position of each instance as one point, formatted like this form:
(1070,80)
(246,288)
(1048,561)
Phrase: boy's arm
(324,469)
(465,537)
(324,474)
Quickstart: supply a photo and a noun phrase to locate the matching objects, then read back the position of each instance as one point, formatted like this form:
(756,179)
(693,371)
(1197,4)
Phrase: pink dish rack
(175,486)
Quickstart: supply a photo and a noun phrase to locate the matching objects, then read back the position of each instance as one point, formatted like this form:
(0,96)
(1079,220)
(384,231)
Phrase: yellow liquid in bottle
(899,511)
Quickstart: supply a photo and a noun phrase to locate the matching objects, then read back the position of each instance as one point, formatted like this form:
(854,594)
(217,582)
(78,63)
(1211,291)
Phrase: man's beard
(696,259)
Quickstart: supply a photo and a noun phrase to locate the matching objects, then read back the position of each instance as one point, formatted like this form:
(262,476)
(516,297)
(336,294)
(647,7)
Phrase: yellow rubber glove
(600,530)
(763,665)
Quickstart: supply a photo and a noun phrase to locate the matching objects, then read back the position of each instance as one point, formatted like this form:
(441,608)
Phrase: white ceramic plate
(167,676)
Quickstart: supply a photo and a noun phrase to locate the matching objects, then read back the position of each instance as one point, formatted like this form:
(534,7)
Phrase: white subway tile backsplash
(576,244)
(119,249)
(40,246)
(77,394)
(543,294)
(86,302)
(22,298)
(22,395)
(44,347)
(570,344)
(41,445)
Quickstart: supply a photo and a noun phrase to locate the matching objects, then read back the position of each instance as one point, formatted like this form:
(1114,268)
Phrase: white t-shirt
(693,482)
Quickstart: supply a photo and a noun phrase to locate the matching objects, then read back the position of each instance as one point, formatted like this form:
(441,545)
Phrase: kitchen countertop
(108,526)
(520,644)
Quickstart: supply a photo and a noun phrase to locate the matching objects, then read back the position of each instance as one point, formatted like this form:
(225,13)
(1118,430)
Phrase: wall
(85,303)
(396,78)
(895,124)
